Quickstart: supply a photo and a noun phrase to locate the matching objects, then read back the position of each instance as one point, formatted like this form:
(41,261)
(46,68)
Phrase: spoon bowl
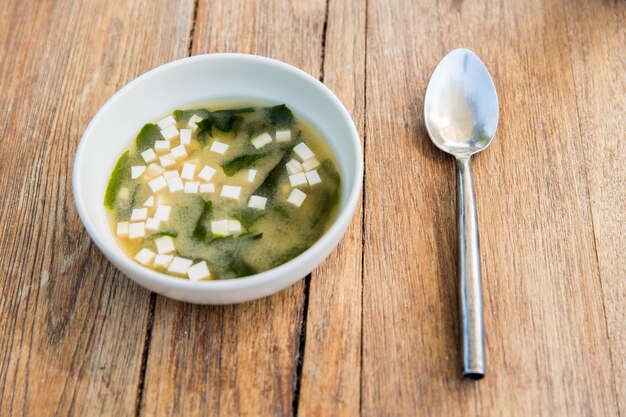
(461,115)
(461,105)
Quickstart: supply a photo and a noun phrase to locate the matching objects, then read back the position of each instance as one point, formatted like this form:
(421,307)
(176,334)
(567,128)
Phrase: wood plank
(543,301)
(284,30)
(597,43)
(331,372)
(72,326)
(236,360)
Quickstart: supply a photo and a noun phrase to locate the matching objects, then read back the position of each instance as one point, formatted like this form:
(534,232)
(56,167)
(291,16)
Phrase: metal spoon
(461,113)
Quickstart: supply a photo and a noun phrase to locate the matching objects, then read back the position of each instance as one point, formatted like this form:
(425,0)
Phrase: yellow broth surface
(267,237)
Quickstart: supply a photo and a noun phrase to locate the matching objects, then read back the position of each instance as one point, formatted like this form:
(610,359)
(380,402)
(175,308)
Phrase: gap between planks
(305,305)
(363,200)
(297,378)
(153,296)
(192,31)
(145,353)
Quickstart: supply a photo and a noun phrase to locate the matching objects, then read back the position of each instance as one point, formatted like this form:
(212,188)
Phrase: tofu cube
(257,202)
(179,265)
(310,164)
(234,227)
(293,167)
(149,156)
(207,188)
(283,135)
(165,244)
(220,228)
(185,136)
(157,184)
(296,197)
(251,175)
(163,261)
(297,179)
(149,202)
(231,191)
(124,193)
(198,271)
(179,152)
(303,151)
(206,173)
(145,256)
(152,224)
(122,229)
(167,161)
(137,171)
(161,146)
(139,214)
(261,140)
(193,121)
(191,187)
(162,212)
(219,147)
(164,199)
(136,230)
(154,170)
(170,132)
(170,174)
(166,122)
(175,184)
(188,172)
(313,177)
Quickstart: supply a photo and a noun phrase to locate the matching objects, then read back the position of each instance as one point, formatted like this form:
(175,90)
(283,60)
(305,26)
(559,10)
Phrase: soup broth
(223,191)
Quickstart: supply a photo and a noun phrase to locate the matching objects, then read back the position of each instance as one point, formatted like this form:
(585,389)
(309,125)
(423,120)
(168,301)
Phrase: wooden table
(373,331)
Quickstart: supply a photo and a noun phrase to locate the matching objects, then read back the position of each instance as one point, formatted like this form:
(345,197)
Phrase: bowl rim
(334,232)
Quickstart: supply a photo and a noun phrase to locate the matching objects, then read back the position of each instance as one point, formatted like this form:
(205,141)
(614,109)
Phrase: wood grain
(333,334)
(546,333)
(236,360)
(380,315)
(72,326)
(598,55)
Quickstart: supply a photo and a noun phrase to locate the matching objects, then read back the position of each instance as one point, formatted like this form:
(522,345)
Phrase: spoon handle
(470,291)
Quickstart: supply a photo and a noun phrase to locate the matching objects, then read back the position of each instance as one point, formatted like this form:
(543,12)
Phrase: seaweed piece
(329,168)
(270,182)
(330,197)
(288,255)
(183,116)
(237,265)
(120,173)
(248,216)
(279,115)
(257,127)
(218,239)
(133,199)
(243,110)
(153,236)
(250,236)
(287,147)
(200,231)
(324,206)
(170,233)
(146,137)
(224,120)
(205,128)
(243,161)
(282,211)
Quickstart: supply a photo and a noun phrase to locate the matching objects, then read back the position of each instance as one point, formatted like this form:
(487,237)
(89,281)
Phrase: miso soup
(218,192)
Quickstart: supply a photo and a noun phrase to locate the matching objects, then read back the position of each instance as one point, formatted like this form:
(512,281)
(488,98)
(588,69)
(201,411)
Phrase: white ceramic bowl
(190,81)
